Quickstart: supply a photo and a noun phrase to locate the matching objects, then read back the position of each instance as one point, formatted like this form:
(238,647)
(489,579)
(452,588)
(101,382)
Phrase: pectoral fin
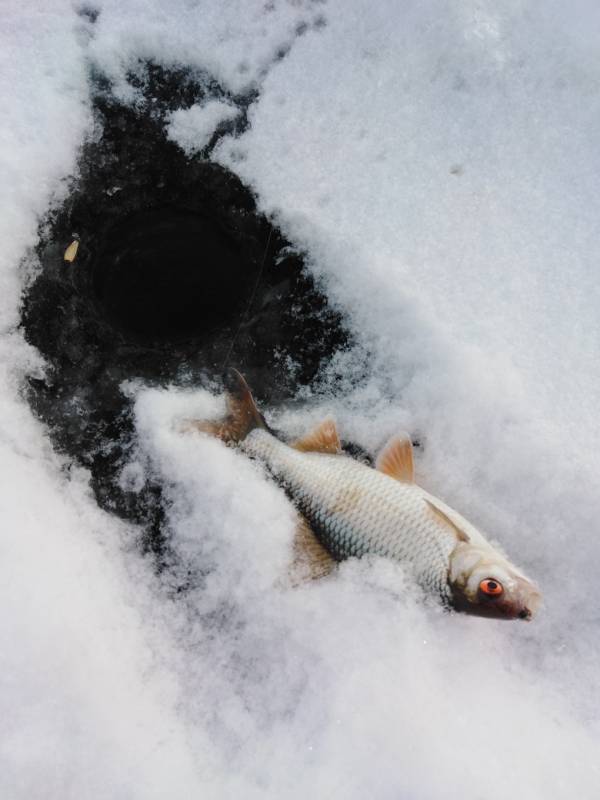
(324,439)
(396,459)
(443,517)
(311,560)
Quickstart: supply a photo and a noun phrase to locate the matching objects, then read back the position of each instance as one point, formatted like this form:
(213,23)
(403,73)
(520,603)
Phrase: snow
(438,164)
(234,42)
(193,127)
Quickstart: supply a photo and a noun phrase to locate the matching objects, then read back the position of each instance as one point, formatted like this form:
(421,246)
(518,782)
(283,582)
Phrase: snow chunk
(193,127)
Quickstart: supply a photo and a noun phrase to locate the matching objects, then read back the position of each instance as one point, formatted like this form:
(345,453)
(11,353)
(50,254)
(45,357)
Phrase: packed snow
(438,164)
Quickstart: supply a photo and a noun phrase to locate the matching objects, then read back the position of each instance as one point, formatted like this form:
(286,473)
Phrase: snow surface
(438,162)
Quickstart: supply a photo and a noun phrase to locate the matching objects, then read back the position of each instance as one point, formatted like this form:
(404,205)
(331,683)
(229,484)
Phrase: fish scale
(357,510)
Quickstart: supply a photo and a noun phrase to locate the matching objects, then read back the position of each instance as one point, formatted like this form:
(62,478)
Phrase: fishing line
(250,301)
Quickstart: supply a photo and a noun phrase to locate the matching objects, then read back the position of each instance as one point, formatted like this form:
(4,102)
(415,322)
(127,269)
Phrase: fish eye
(491,588)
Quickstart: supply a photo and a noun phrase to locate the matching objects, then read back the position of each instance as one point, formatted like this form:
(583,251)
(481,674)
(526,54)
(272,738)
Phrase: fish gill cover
(432,170)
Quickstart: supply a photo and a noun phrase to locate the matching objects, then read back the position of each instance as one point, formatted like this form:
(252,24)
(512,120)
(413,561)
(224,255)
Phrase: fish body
(355,510)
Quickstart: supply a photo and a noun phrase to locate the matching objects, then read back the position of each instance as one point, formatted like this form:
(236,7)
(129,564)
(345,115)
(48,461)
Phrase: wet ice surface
(438,168)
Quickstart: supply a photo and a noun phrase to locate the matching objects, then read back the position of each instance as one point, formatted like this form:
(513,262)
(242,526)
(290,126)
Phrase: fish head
(487,585)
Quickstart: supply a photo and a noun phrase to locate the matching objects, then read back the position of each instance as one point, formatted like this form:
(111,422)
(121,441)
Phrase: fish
(351,509)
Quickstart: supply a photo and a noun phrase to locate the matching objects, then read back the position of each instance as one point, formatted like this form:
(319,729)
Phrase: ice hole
(167,274)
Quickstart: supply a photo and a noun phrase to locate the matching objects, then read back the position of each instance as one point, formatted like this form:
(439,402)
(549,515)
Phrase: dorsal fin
(443,517)
(396,459)
(324,439)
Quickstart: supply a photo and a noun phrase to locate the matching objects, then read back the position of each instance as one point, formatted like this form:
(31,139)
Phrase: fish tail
(243,416)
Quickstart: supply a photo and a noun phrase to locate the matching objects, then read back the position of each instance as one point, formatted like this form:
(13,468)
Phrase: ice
(438,164)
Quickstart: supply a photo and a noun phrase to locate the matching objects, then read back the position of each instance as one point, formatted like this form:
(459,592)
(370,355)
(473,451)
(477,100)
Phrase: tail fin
(243,415)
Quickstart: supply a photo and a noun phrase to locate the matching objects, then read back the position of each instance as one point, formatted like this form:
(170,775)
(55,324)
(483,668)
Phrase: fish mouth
(525,614)
(493,610)
(530,599)
(523,605)
(490,610)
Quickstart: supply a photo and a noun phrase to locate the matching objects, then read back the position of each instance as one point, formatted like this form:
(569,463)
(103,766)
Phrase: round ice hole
(170,274)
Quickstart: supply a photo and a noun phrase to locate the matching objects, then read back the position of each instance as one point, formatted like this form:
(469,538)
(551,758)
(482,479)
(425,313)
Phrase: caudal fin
(243,415)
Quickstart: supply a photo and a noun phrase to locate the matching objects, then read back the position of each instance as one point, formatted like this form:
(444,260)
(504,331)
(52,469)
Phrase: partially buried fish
(355,510)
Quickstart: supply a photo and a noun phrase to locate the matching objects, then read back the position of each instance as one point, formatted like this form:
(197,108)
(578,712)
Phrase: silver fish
(355,510)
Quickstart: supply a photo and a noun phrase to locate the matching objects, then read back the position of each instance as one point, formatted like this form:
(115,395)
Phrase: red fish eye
(490,587)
